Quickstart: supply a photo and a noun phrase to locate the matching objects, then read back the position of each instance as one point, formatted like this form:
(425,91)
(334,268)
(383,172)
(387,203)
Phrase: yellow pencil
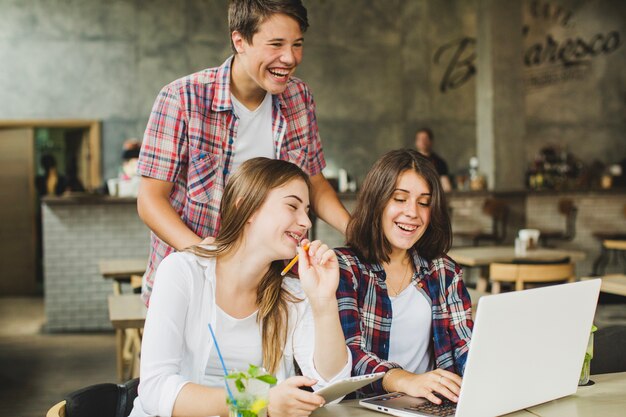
(293,262)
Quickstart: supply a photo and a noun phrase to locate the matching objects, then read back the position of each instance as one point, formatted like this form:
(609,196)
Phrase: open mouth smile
(406,227)
(279,73)
(295,236)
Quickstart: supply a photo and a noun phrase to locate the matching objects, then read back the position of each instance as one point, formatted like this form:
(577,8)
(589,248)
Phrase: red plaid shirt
(366,314)
(190,140)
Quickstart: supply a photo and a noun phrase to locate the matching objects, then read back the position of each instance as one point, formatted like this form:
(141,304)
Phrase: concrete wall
(376,68)
(578,102)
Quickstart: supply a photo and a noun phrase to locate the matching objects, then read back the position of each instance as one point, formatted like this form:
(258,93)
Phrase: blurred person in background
(424,144)
(51,182)
(127,182)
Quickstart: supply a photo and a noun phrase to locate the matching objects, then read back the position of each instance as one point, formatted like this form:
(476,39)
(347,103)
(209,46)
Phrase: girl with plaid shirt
(403,306)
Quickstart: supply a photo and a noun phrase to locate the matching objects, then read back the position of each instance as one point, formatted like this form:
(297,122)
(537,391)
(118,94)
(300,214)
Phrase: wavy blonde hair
(244,194)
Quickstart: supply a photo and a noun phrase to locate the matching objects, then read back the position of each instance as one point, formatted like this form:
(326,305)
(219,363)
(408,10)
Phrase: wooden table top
(615,244)
(612,284)
(122,268)
(127,311)
(485,255)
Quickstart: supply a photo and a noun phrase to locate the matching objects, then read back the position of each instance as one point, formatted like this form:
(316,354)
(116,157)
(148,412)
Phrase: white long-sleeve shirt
(177,343)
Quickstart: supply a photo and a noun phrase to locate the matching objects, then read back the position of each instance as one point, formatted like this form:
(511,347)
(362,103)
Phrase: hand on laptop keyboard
(434,385)
(446,408)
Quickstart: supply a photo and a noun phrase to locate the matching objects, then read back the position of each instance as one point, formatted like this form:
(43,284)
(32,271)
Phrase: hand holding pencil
(318,270)
(293,261)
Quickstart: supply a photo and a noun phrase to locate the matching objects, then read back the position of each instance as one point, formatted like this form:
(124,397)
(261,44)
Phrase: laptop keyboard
(446,408)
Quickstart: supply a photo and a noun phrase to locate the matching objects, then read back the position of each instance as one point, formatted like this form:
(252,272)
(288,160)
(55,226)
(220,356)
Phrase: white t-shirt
(411,331)
(254,131)
(240,343)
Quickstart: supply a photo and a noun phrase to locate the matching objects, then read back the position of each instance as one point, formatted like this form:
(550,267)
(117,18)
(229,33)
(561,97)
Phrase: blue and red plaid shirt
(366,314)
(190,141)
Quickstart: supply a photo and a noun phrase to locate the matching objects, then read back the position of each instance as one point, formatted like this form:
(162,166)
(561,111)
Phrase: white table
(607,398)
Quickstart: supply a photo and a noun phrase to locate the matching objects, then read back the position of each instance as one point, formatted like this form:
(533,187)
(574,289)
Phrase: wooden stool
(121,271)
(613,245)
(128,315)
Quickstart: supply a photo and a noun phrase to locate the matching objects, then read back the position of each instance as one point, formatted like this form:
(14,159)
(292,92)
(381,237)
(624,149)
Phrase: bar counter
(78,231)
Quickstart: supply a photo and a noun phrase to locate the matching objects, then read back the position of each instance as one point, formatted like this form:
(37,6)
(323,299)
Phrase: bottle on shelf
(477,180)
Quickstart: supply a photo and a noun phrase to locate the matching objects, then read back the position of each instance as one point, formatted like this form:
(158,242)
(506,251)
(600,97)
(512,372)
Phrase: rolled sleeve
(343,373)
(304,347)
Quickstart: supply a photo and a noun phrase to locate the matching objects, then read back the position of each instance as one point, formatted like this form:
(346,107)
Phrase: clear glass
(251,401)
(585,372)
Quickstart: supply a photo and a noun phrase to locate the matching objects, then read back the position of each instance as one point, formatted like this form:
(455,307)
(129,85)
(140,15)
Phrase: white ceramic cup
(530,237)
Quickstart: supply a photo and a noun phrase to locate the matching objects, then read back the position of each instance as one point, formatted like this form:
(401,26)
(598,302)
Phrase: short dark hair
(245,16)
(48,162)
(365,231)
(428,131)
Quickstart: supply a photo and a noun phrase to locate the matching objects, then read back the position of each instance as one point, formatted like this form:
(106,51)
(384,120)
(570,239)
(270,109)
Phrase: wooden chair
(568,209)
(498,211)
(525,273)
(101,400)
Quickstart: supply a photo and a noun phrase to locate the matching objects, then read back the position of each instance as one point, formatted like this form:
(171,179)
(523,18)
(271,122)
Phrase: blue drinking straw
(219,354)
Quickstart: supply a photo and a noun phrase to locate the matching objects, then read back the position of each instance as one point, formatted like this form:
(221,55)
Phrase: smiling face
(267,62)
(282,221)
(407,213)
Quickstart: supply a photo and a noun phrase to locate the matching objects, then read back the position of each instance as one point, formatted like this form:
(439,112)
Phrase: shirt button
(225,172)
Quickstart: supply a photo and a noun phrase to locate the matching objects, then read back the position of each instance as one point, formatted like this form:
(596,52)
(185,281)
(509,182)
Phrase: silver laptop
(527,348)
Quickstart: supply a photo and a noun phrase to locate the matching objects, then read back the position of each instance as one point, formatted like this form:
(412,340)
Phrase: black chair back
(608,350)
(102,400)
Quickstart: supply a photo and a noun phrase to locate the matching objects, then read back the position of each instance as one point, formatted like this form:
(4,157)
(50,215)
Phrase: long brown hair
(244,194)
(365,231)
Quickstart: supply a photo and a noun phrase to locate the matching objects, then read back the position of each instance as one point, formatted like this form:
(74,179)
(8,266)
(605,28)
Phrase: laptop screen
(527,348)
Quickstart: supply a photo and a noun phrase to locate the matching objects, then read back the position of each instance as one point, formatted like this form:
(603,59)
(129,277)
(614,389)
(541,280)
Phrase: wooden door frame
(93,128)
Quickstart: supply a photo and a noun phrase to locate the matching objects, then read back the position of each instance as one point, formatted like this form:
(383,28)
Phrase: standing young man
(424,144)
(204,125)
